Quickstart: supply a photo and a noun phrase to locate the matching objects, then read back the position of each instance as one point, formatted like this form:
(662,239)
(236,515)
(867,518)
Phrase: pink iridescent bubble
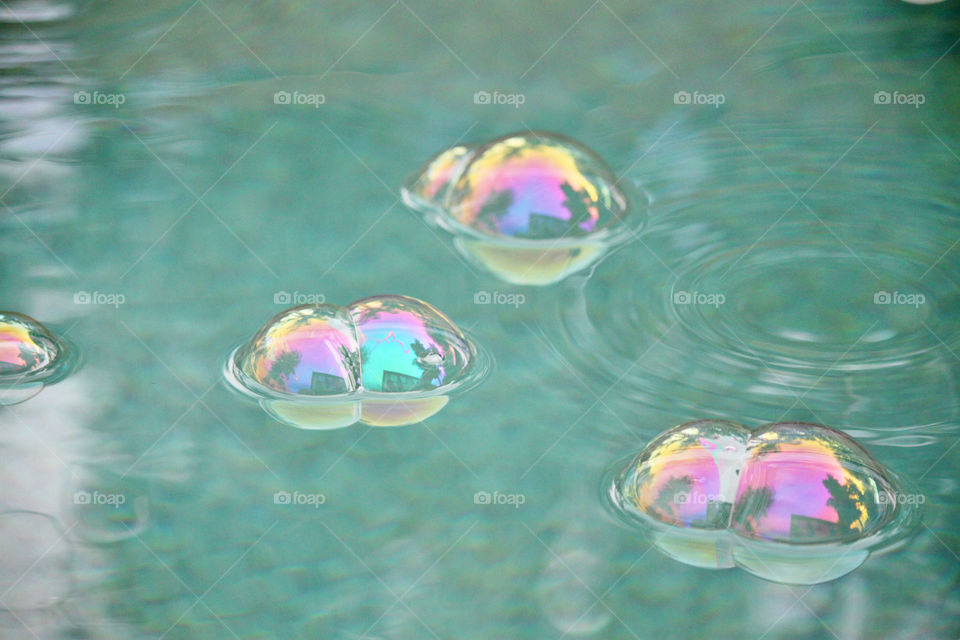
(385,360)
(30,357)
(791,502)
(532,207)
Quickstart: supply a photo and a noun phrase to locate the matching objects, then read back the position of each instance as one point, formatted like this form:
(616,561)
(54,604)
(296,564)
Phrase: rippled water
(183,163)
(758,302)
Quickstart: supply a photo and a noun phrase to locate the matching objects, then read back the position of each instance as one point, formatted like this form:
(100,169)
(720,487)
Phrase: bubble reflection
(795,503)
(385,360)
(530,207)
(306,350)
(30,357)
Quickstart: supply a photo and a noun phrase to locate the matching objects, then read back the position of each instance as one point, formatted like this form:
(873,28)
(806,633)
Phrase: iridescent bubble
(530,207)
(310,350)
(802,483)
(406,346)
(385,360)
(794,503)
(30,357)
(434,179)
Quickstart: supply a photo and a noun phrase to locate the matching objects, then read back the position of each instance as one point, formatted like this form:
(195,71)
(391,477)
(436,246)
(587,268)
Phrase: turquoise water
(175,181)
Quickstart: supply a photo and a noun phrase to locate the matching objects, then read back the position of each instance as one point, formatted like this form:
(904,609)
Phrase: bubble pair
(385,360)
(532,208)
(790,502)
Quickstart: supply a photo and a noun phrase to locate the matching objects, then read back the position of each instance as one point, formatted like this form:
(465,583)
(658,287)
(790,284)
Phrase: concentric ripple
(750,303)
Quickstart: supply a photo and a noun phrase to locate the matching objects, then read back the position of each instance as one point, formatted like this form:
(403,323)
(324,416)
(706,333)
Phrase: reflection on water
(827,307)
(144,152)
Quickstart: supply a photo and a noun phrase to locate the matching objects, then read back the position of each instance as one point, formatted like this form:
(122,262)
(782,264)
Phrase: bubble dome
(531,207)
(793,503)
(385,360)
(30,357)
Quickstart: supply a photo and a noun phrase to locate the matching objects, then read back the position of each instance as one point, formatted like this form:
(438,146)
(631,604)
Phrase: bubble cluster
(530,207)
(385,360)
(795,503)
(30,357)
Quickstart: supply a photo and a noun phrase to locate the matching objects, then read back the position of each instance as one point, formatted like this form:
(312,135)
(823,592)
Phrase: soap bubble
(30,357)
(434,179)
(406,344)
(795,503)
(386,361)
(804,484)
(530,207)
(310,350)
(689,474)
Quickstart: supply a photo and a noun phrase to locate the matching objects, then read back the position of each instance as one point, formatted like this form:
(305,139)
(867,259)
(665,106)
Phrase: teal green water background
(200,198)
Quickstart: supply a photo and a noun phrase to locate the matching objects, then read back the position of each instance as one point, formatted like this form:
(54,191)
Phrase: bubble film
(310,350)
(535,186)
(690,477)
(530,207)
(804,484)
(30,356)
(434,179)
(406,344)
(25,345)
(385,360)
(790,502)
